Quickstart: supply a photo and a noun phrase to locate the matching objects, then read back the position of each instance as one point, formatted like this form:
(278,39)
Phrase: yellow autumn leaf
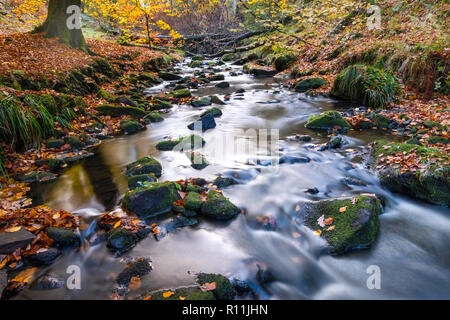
(25,276)
(343,209)
(13,229)
(168,294)
(117,224)
(318,232)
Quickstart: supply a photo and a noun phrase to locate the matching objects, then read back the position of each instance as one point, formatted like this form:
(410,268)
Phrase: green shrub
(374,87)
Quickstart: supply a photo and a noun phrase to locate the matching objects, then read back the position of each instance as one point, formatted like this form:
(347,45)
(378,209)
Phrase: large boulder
(328,120)
(218,207)
(138,268)
(284,61)
(145,165)
(345,223)
(431,183)
(169,76)
(151,200)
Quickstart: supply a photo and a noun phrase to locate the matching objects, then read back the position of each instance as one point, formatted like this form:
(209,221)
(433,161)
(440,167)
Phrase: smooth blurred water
(412,248)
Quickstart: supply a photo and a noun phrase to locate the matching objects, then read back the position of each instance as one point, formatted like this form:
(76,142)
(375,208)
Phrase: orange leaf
(168,294)
(25,276)
(209,286)
(135,283)
(343,209)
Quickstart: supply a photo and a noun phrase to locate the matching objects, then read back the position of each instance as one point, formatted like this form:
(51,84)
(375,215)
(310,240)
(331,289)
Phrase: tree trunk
(56,24)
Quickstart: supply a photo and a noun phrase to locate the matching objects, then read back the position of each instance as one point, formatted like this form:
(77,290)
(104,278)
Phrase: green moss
(216,100)
(117,111)
(130,126)
(432,183)
(309,84)
(355,228)
(182,93)
(200,103)
(219,207)
(437,140)
(191,142)
(155,116)
(55,143)
(216,112)
(224,289)
(74,141)
(431,124)
(63,237)
(161,104)
(284,61)
(145,165)
(192,201)
(381,121)
(149,77)
(196,64)
(136,269)
(121,240)
(103,94)
(151,199)
(216,77)
(327,121)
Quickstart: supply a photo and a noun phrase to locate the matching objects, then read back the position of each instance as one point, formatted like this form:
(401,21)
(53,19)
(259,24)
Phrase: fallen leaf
(209,286)
(25,276)
(13,229)
(135,283)
(318,232)
(168,294)
(343,209)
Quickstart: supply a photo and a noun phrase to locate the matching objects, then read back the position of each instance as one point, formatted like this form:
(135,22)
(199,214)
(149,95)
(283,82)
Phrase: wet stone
(44,256)
(10,241)
(48,282)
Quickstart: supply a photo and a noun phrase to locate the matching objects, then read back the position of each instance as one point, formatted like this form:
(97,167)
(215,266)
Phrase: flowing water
(412,249)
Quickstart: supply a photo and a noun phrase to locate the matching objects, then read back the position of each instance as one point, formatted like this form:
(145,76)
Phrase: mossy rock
(103,94)
(223,182)
(75,142)
(104,67)
(216,100)
(135,269)
(169,76)
(284,61)
(151,200)
(145,165)
(192,201)
(118,111)
(259,71)
(437,140)
(381,121)
(154,116)
(190,142)
(230,56)
(182,93)
(328,121)
(224,288)
(354,228)
(185,293)
(432,184)
(218,207)
(216,77)
(121,240)
(36,177)
(200,103)
(198,161)
(149,77)
(140,180)
(216,112)
(196,64)
(54,143)
(158,104)
(309,84)
(431,124)
(63,238)
(130,126)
